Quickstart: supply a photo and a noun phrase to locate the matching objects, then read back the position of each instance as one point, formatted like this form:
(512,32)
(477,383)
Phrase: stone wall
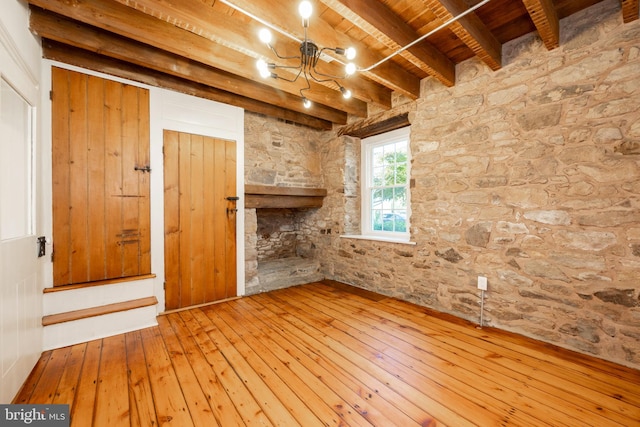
(528,175)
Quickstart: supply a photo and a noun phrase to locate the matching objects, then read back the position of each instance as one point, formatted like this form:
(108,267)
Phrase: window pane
(376,199)
(379,176)
(376,220)
(400,198)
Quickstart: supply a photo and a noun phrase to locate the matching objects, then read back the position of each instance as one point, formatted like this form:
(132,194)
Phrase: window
(385,185)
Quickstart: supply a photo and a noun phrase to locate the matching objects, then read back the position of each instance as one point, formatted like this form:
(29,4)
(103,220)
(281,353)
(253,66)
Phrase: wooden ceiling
(209,49)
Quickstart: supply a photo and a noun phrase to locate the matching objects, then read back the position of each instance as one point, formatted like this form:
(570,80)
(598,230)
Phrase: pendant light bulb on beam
(310,57)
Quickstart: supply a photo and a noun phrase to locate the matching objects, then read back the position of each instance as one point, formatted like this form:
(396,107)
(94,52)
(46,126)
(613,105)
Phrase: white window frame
(368,144)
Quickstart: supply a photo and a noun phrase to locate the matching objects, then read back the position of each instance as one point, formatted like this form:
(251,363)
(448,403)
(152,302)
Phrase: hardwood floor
(325,354)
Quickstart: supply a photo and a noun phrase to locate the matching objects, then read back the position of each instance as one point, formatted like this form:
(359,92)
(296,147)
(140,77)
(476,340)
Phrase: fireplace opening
(286,254)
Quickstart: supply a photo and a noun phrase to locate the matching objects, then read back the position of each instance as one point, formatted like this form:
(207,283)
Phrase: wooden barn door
(101,186)
(200,219)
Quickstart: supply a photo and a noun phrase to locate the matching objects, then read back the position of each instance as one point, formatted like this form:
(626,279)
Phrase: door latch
(142,169)
(233,198)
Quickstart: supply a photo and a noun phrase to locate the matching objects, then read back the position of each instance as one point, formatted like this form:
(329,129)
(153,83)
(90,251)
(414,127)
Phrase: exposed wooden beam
(130,23)
(203,20)
(73,33)
(544,16)
(391,75)
(379,21)
(630,10)
(91,61)
(470,29)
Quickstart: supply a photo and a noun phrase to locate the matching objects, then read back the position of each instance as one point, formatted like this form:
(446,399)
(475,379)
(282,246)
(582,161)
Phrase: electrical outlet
(482,283)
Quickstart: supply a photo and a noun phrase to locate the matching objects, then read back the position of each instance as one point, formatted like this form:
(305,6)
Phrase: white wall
(22,274)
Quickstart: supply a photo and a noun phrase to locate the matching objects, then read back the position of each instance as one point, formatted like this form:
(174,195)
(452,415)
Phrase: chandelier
(310,55)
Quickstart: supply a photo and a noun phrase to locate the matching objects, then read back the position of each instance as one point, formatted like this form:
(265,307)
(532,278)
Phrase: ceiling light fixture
(310,55)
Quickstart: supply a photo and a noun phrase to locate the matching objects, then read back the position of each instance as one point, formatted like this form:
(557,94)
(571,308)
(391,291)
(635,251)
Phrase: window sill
(378,239)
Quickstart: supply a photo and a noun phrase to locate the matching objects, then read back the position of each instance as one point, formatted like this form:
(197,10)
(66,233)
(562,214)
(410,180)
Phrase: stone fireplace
(279,237)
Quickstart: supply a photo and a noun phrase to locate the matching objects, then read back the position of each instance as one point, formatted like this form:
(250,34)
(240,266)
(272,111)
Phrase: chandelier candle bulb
(305,9)
(265,36)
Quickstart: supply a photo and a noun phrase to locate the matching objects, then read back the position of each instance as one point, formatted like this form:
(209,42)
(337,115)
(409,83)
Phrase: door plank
(79,208)
(230,249)
(96,179)
(220,220)
(130,226)
(60,177)
(209,227)
(113,177)
(196,215)
(184,156)
(144,184)
(171,220)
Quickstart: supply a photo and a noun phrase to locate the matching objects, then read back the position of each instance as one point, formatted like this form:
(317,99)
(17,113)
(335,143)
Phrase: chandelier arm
(294,79)
(329,77)
(273,49)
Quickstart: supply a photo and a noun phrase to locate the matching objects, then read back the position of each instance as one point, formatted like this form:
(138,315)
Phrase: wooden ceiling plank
(545,18)
(64,30)
(470,29)
(73,56)
(630,10)
(130,23)
(205,21)
(284,16)
(379,21)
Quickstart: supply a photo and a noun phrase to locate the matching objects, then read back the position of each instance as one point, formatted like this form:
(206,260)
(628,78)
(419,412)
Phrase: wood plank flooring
(327,354)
